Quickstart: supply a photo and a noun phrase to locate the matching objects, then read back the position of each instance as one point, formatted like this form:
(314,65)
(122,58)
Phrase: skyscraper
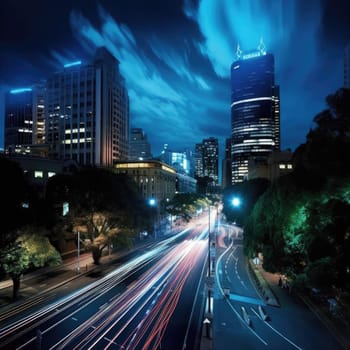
(210,149)
(24,119)
(255,112)
(139,147)
(88,112)
(226,164)
(178,159)
(198,161)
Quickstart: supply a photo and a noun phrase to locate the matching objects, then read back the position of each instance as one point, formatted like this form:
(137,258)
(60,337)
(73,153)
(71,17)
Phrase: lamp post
(210,256)
(78,252)
(209,241)
(236,203)
(153,203)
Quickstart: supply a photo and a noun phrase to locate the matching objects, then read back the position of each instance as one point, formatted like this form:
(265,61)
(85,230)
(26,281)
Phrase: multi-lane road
(242,319)
(154,300)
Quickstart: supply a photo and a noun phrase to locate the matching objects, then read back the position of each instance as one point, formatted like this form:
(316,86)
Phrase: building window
(38,174)
(51,173)
(282,166)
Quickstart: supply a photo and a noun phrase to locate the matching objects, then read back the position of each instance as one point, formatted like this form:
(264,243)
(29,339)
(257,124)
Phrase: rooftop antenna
(238,52)
(262,47)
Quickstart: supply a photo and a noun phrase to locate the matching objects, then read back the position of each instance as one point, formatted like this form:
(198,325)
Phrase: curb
(262,286)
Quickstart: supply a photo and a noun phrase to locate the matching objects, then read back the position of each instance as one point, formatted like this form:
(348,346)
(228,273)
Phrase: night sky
(176,56)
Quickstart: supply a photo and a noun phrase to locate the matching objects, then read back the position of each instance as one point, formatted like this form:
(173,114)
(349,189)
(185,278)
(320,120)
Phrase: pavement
(338,323)
(47,278)
(270,290)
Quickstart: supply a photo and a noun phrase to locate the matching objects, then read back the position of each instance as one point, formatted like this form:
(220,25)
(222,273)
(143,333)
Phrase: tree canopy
(301,224)
(106,208)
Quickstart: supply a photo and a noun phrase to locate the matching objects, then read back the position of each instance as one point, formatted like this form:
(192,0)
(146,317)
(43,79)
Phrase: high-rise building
(226,164)
(139,147)
(24,119)
(177,159)
(198,161)
(87,112)
(211,159)
(347,67)
(255,110)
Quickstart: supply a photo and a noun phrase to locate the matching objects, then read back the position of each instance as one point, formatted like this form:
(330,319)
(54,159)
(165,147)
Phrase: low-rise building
(155,179)
(277,164)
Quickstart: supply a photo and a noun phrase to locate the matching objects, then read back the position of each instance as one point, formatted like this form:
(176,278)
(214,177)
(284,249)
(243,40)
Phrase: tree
(301,223)
(105,207)
(32,249)
(101,229)
(327,148)
(14,190)
(185,205)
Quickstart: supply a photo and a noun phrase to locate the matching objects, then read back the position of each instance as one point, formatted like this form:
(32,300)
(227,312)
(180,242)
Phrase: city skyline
(176,56)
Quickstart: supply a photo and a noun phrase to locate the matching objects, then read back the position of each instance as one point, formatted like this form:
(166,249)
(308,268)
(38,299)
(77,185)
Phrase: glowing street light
(236,202)
(153,203)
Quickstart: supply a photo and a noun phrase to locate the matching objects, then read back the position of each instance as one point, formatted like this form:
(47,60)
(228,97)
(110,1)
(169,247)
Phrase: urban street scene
(175,175)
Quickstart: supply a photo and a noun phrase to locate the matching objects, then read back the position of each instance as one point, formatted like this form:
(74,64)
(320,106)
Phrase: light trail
(153,298)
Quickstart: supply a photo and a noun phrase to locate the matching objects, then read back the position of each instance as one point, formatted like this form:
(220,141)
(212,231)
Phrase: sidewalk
(48,278)
(339,325)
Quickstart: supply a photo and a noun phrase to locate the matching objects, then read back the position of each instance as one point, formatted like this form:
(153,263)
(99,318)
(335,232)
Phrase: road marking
(277,332)
(74,319)
(245,299)
(231,306)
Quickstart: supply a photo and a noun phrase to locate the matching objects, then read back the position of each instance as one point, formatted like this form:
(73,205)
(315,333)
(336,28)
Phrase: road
(241,317)
(152,301)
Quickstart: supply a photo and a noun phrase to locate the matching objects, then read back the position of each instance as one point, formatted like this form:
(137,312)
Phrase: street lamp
(78,260)
(153,203)
(236,202)
(211,255)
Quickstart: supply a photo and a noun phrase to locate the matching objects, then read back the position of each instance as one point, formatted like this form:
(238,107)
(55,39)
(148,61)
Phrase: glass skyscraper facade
(24,119)
(255,111)
(139,147)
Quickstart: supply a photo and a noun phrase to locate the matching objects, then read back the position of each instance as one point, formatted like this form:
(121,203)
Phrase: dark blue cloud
(176,56)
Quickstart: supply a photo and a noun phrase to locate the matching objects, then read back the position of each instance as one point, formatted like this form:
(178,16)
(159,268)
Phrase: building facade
(87,112)
(255,110)
(177,159)
(198,161)
(210,152)
(139,147)
(24,119)
(155,179)
(277,164)
(227,164)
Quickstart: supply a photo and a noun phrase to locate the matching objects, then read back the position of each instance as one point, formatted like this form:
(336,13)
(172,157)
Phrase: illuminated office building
(207,160)
(87,112)
(198,161)
(24,119)
(255,110)
(226,164)
(180,160)
(139,147)
(154,179)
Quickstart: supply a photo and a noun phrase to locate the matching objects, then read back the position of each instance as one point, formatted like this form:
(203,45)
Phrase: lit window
(282,166)
(289,166)
(38,174)
(51,173)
